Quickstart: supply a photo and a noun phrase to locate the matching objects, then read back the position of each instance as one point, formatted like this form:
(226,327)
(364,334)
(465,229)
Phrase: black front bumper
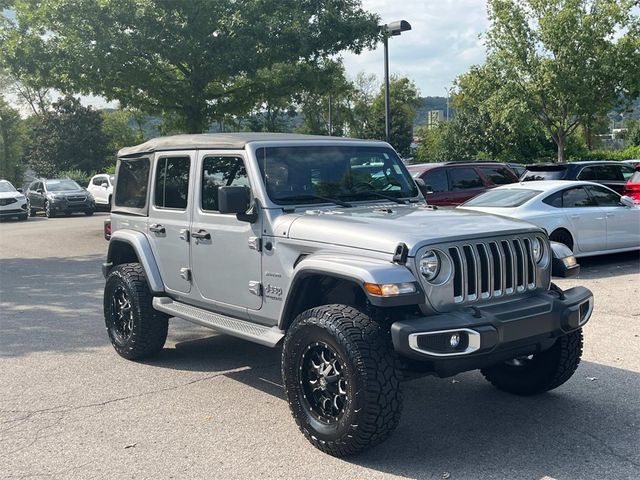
(64,206)
(493,333)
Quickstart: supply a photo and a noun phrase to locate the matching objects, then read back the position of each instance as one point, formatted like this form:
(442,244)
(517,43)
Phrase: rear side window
(437,180)
(464,179)
(554,200)
(577,197)
(172,182)
(604,197)
(220,172)
(133,178)
(588,173)
(609,172)
(627,171)
(498,175)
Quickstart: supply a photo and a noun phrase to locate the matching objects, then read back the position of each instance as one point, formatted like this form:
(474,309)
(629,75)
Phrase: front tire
(135,328)
(341,379)
(88,213)
(48,211)
(540,372)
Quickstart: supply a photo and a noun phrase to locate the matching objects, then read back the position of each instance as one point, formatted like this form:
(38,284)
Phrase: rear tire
(562,236)
(341,378)
(540,372)
(135,328)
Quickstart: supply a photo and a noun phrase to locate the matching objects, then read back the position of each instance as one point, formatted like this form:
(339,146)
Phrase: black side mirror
(563,263)
(20,190)
(40,191)
(423,187)
(237,200)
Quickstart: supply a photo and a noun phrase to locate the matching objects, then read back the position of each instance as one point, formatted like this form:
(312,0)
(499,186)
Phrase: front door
(169,218)
(623,223)
(587,219)
(225,255)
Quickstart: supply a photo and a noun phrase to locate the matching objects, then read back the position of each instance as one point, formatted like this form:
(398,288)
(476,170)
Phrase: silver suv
(327,247)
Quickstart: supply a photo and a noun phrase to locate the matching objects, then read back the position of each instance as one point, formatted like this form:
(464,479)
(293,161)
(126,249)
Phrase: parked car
(587,217)
(518,169)
(453,183)
(325,246)
(58,196)
(632,187)
(611,174)
(633,162)
(101,187)
(13,204)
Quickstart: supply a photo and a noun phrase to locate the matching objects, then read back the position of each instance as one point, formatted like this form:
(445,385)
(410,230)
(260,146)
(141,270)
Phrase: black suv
(611,174)
(57,196)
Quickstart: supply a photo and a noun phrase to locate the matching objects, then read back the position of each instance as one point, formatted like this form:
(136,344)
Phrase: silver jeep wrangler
(327,247)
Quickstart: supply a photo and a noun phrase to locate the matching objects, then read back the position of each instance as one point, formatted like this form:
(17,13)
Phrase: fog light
(569,261)
(454,341)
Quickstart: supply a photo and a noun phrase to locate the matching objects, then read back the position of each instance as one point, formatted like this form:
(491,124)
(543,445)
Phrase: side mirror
(40,191)
(627,201)
(20,190)
(563,263)
(237,200)
(423,187)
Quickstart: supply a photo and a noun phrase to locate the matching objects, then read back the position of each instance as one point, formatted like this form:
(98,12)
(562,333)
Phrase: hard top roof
(222,141)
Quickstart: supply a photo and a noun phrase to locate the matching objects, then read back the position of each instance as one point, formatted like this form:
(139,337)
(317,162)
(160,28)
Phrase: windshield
(321,174)
(6,187)
(61,185)
(503,198)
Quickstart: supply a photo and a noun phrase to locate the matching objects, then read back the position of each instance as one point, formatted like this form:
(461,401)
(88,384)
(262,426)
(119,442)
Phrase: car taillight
(107,229)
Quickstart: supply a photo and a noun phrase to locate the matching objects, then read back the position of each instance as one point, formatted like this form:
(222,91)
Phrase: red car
(454,183)
(632,187)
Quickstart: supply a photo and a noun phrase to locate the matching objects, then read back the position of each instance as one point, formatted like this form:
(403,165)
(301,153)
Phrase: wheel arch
(563,229)
(134,247)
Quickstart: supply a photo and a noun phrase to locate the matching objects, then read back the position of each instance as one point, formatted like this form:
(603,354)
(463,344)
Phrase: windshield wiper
(312,196)
(380,195)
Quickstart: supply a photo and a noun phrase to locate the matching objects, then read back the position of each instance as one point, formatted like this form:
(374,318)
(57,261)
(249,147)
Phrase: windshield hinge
(401,254)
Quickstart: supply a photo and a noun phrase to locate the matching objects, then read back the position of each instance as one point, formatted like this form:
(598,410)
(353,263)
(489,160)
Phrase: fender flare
(359,270)
(141,246)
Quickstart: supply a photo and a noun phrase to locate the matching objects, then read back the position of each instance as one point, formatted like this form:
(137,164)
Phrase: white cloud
(443,43)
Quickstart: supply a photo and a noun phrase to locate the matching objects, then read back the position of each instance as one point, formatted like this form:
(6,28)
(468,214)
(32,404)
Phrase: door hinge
(255,243)
(185,273)
(255,288)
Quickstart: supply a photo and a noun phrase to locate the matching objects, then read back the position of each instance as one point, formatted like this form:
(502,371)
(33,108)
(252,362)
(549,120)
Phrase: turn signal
(390,289)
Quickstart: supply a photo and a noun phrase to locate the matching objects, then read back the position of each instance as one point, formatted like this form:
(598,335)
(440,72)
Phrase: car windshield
(6,187)
(61,185)
(321,174)
(502,198)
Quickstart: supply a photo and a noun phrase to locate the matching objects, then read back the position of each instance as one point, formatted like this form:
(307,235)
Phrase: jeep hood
(381,228)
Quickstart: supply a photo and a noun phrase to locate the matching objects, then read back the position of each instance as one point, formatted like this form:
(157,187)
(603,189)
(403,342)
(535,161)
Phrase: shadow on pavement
(612,265)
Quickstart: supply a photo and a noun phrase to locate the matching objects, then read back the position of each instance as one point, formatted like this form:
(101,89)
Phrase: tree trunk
(561,141)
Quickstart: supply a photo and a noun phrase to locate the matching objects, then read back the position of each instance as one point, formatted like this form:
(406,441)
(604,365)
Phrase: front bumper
(492,333)
(63,205)
(14,209)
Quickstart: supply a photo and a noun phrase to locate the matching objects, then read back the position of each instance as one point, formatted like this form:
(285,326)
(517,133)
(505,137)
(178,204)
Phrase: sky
(442,44)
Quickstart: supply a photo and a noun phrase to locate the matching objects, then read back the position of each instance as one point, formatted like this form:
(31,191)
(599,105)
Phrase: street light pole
(390,30)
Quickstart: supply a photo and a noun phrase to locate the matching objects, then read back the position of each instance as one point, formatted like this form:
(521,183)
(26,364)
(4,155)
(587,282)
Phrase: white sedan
(589,218)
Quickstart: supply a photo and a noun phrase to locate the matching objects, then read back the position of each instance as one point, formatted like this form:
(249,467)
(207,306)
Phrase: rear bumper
(486,335)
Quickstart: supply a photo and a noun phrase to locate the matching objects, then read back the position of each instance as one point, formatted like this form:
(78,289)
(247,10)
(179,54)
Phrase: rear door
(623,223)
(586,218)
(169,218)
(464,184)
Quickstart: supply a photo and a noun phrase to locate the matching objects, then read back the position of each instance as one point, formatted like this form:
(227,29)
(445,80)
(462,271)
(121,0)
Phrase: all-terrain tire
(542,372)
(147,328)
(368,367)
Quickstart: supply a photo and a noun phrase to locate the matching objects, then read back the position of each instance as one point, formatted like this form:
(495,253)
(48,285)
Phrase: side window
(133,177)
(172,182)
(609,172)
(99,181)
(604,197)
(588,173)
(627,172)
(220,172)
(464,178)
(498,175)
(555,200)
(437,180)
(577,197)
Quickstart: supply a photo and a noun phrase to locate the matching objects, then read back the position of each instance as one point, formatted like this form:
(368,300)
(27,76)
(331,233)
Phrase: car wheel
(562,236)
(341,379)
(541,371)
(24,217)
(47,210)
(88,213)
(135,328)
(31,212)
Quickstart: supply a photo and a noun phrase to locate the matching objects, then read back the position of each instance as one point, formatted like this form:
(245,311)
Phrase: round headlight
(537,248)
(430,265)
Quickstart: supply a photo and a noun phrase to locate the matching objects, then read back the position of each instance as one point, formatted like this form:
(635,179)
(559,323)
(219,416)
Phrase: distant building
(434,118)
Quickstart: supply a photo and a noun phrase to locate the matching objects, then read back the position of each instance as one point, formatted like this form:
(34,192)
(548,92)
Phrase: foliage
(67,138)
(82,178)
(629,153)
(197,60)
(12,138)
(633,133)
(116,128)
(559,59)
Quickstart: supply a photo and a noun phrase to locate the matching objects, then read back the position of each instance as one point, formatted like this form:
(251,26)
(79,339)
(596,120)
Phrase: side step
(268,336)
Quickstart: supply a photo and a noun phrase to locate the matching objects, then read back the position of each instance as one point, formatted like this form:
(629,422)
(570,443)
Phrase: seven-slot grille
(492,269)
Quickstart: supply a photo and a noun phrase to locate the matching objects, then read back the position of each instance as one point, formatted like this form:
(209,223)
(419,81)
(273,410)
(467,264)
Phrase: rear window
(133,180)
(551,172)
(499,175)
(464,179)
(503,198)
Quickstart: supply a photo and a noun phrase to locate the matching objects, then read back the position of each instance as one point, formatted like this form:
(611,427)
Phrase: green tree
(117,128)
(12,138)
(561,59)
(405,100)
(69,137)
(633,133)
(198,60)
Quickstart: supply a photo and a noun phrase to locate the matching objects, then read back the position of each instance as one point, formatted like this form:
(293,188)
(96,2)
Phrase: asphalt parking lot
(211,406)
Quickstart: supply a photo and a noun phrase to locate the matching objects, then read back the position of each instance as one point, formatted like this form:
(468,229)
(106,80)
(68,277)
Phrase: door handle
(201,235)
(156,228)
